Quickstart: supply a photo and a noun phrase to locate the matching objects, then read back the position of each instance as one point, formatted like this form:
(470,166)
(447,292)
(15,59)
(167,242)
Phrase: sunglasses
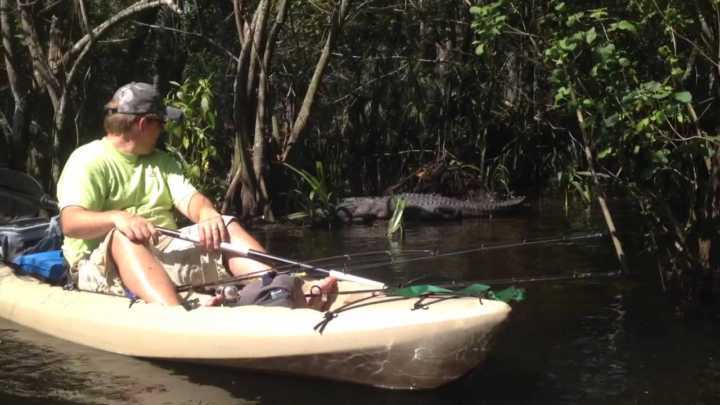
(155,118)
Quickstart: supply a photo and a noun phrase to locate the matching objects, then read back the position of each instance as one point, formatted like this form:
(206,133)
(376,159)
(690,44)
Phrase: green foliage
(631,83)
(193,140)
(316,197)
(621,68)
(395,223)
(632,112)
(488,21)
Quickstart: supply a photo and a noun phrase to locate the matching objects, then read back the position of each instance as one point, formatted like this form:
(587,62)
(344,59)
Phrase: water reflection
(34,366)
(568,343)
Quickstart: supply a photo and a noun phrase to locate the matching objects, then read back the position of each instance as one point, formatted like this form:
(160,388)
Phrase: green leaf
(396,222)
(626,26)
(590,36)
(661,93)
(567,45)
(660,156)
(561,94)
(684,97)
(205,104)
(605,51)
(605,152)
(598,14)
(612,120)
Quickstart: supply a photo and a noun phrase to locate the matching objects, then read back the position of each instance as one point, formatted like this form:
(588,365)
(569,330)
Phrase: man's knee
(123,248)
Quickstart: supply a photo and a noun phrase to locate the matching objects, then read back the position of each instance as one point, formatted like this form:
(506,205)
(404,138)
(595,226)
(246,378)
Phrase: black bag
(29,235)
(282,290)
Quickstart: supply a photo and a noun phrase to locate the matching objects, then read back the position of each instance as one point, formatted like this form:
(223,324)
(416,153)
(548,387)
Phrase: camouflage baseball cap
(139,99)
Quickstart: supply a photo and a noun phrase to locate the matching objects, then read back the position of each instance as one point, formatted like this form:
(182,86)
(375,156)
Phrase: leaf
(598,14)
(605,51)
(297,216)
(660,156)
(612,120)
(626,26)
(567,45)
(590,36)
(396,222)
(205,104)
(605,152)
(683,96)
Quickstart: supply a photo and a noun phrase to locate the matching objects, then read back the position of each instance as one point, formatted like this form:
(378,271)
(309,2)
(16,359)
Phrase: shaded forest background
(373,97)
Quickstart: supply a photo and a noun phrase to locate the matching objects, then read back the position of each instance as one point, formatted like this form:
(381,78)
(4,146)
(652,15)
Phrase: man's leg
(141,272)
(239,265)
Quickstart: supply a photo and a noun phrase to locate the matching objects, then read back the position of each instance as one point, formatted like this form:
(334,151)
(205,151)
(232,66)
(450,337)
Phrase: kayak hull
(383,341)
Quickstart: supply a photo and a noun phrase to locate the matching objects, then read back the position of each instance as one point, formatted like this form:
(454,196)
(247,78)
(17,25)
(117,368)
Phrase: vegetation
(632,86)
(390,96)
(314,195)
(194,140)
(395,224)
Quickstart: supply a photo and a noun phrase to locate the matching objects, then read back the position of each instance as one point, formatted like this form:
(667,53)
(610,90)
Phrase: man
(113,193)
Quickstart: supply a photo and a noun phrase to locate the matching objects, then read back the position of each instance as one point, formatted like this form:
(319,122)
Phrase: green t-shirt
(98,177)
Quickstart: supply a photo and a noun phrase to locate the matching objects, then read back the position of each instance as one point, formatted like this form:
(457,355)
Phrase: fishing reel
(230,294)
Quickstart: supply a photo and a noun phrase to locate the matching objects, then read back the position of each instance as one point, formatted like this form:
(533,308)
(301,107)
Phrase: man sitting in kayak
(112,194)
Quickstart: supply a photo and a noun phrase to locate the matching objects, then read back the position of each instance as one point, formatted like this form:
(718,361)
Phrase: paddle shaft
(254,254)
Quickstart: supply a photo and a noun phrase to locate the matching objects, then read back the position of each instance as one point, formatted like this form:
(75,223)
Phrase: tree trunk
(252,89)
(17,136)
(302,118)
(242,177)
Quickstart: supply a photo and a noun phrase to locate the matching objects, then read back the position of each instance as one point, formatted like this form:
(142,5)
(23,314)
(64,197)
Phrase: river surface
(596,341)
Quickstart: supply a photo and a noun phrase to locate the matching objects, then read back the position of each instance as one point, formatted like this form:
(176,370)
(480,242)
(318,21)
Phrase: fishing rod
(287,268)
(487,247)
(540,278)
(574,276)
(372,258)
(255,254)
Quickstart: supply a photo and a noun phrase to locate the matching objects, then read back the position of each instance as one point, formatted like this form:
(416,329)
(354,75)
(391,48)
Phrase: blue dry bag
(49,266)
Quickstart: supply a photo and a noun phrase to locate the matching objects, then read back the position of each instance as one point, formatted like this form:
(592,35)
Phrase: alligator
(422,206)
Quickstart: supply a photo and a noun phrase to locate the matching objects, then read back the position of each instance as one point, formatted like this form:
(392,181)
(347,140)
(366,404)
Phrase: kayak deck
(381,341)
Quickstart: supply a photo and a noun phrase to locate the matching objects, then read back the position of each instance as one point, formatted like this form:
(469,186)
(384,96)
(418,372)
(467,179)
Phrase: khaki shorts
(184,263)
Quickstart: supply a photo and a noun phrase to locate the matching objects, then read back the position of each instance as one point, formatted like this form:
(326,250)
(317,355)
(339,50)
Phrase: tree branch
(98,31)
(304,114)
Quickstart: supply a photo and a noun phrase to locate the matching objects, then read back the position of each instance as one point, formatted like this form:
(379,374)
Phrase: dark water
(589,342)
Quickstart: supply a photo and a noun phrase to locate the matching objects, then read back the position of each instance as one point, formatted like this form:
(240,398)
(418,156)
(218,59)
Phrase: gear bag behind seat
(29,235)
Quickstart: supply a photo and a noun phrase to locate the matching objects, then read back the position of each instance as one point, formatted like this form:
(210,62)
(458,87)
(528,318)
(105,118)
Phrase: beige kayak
(383,341)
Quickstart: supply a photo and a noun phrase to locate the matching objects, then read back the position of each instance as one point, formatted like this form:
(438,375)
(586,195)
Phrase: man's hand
(212,232)
(135,227)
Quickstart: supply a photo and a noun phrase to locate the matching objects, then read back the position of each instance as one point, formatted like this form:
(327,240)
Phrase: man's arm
(211,226)
(200,209)
(212,231)
(81,223)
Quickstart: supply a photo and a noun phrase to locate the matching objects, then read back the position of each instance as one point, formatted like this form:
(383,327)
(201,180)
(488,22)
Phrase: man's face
(149,129)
